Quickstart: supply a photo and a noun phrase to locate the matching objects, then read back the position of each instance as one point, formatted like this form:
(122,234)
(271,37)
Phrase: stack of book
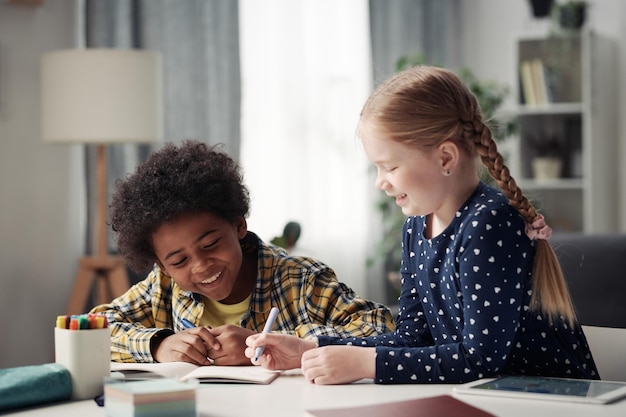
(537,81)
(155,398)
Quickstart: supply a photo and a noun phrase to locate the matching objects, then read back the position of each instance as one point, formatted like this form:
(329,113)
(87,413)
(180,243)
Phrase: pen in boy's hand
(187,324)
(268,328)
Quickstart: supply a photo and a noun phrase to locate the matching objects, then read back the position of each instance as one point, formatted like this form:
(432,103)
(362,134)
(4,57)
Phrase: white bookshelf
(582,115)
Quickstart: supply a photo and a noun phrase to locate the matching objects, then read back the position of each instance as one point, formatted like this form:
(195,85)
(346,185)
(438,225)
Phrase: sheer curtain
(306,72)
(307,69)
(431,28)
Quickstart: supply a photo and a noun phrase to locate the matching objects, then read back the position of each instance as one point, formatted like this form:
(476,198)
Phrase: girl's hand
(339,364)
(232,342)
(281,351)
(191,345)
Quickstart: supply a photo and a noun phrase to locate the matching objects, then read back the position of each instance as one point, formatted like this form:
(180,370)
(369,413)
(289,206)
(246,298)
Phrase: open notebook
(183,371)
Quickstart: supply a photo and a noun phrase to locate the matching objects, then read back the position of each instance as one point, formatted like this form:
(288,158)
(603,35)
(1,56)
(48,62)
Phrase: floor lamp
(101,97)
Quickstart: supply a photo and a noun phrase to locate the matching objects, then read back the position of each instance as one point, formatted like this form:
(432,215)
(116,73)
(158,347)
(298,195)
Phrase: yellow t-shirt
(217,314)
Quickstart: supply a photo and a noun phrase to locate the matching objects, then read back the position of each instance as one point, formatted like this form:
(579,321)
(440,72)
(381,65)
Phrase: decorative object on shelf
(548,146)
(547,168)
(548,161)
(571,14)
(541,8)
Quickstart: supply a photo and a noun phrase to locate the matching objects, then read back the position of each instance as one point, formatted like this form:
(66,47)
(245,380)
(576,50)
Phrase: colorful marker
(63,321)
(82,322)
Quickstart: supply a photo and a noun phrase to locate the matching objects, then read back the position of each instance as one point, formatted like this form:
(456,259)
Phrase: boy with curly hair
(183,213)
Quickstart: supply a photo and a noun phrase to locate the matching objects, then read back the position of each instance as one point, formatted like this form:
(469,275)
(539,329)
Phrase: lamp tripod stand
(110,271)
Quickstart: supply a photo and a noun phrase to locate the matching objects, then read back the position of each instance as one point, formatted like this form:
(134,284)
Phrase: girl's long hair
(425,106)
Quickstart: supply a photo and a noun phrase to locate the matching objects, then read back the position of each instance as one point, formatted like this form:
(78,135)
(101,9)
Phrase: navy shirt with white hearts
(464,305)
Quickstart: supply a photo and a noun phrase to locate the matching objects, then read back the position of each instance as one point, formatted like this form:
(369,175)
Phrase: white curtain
(306,72)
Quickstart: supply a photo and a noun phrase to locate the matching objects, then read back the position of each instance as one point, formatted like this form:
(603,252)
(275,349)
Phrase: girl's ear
(241,225)
(449,154)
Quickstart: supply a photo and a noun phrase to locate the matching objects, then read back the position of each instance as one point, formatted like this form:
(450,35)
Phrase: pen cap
(87,356)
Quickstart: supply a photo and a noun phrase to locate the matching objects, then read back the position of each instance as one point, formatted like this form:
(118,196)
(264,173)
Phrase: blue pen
(187,324)
(268,328)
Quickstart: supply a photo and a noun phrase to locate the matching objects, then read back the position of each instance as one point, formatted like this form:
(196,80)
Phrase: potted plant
(541,8)
(571,14)
(547,163)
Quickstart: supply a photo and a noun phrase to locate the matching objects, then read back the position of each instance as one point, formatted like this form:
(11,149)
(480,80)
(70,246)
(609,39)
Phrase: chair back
(608,347)
(594,266)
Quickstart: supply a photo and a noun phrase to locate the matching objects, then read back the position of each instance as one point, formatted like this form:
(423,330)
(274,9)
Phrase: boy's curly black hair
(174,181)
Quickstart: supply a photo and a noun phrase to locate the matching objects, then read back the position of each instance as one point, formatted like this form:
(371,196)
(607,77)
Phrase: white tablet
(544,388)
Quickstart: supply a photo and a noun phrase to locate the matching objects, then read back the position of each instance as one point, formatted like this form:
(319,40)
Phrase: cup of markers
(82,345)
(82,322)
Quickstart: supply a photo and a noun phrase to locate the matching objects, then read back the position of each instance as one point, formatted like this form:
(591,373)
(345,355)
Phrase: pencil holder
(87,356)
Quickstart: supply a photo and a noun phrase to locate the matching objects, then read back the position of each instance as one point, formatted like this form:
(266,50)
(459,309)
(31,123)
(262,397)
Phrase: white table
(290,395)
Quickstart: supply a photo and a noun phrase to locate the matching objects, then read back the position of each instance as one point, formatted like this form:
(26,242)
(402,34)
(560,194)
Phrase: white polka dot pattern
(464,305)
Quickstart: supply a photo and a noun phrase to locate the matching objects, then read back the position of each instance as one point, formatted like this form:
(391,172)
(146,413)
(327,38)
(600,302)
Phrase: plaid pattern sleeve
(311,300)
(144,311)
(342,312)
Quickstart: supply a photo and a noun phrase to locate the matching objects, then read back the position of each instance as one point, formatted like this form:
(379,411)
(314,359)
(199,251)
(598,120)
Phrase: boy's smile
(201,253)
(212,279)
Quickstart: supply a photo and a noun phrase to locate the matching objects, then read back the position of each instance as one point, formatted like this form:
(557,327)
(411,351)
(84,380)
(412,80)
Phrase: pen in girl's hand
(187,324)
(268,328)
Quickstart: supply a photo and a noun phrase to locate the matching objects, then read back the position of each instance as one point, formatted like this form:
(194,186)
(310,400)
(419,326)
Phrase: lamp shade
(101,96)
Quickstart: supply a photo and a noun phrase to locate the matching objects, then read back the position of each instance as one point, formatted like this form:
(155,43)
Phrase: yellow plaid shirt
(311,301)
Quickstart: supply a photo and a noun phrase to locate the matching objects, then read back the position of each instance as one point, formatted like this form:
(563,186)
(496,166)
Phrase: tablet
(545,388)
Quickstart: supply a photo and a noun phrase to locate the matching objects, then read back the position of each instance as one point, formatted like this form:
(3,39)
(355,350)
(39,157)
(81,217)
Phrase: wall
(40,221)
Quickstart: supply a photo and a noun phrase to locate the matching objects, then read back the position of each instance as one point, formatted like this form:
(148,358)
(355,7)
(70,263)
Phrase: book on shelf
(164,397)
(550,79)
(436,406)
(183,371)
(539,81)
(528,89)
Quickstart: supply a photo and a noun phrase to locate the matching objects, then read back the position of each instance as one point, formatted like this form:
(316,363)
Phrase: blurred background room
(281,84)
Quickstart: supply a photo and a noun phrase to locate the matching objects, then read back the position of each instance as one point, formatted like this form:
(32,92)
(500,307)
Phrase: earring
(448,172)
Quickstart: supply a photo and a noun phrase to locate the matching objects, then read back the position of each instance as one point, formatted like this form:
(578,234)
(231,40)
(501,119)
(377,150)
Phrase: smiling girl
(482,291)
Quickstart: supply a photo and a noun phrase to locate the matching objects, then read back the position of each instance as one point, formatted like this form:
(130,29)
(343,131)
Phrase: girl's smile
(400,199)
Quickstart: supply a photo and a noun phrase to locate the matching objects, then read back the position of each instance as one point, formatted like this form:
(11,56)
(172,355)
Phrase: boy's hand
(191,345)
(232,342)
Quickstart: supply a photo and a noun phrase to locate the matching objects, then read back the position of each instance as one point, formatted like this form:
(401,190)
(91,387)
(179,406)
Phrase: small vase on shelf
(546,168)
